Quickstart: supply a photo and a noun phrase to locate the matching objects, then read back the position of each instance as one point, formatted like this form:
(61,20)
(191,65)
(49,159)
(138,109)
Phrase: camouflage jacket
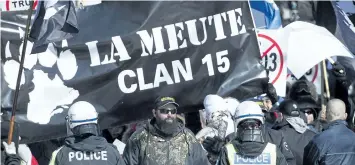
(147,147)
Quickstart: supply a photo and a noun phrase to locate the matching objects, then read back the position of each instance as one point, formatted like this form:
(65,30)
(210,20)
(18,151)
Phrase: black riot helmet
(289,108)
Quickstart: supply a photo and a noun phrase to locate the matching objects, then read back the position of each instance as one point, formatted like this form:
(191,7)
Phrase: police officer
(85,146)
(249,146)
(295,129)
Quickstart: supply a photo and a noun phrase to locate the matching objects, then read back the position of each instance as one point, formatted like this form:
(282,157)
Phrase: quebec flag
(266,14)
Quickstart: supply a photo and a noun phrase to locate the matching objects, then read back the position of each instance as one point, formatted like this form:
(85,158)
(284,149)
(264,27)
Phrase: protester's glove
(338,70)
(10,149)
(213,145)
(270,91)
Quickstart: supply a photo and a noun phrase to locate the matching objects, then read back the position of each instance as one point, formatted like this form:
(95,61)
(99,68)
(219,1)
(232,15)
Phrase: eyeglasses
(166,111)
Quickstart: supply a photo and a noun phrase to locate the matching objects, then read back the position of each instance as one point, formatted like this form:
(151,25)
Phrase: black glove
(213,145)
(338,70)
(270,91)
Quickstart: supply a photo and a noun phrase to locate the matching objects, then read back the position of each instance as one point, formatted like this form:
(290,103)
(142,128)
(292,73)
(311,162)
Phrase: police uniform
(85,146)
(268,156)
(249,146)
(93,150)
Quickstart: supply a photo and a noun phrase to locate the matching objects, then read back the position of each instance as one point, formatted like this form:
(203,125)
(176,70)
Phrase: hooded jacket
(150,146)
(295,140)
(335,145)
(92,150)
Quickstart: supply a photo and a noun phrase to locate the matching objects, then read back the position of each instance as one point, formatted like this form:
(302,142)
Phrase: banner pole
(326,80)
(17,90)
(322,90)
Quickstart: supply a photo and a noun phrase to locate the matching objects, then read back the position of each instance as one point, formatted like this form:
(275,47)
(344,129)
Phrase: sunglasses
(166,111)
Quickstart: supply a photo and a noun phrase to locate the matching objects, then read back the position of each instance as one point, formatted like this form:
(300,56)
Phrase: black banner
(125,55)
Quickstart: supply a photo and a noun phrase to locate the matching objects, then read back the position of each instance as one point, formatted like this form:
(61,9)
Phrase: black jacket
(341,92)
(296,141)
(335,145)
(250,150)
(12,160)
(92,150)
(149,146)
(278,138)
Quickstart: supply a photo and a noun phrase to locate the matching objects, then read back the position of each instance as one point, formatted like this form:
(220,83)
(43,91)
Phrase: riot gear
(82,119)
(250,131)
(249,121)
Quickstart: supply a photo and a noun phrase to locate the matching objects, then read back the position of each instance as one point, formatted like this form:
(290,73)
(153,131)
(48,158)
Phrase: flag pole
(326,83)
(17,90)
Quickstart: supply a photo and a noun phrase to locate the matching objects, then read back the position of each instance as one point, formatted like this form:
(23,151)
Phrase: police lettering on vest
(264,158)
(267,157)
(80,155)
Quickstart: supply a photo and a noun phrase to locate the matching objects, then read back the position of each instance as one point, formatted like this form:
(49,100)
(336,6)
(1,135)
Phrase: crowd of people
(254,131)
(268,130)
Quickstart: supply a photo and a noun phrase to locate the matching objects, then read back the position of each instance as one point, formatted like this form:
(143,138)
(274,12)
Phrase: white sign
(273,59)
(306,45)
(120,145)
(16,5)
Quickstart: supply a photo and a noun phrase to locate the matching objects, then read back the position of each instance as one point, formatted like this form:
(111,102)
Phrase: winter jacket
(296,141)
(150,146)
(92,150)
(335,145)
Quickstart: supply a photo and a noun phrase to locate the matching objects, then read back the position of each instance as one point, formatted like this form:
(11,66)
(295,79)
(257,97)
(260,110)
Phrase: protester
(165,140)
(267,103)
(11,158)
(335,145)
(249,145)
(294,129)
(305,94)
(342,92)
(85,146)
(232,104)
(218,117)
(219,113)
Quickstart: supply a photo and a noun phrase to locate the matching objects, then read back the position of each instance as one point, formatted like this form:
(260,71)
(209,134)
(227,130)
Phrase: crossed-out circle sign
(273,59)
(311,75)
(13,5)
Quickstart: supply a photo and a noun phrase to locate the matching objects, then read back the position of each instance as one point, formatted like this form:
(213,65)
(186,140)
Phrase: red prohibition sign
(274,44)
(314,76)
(8,5)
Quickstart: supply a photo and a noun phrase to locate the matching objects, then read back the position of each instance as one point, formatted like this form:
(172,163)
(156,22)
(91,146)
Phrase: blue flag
(266,14)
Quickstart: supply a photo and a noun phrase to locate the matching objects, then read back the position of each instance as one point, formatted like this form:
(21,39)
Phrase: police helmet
(82,119)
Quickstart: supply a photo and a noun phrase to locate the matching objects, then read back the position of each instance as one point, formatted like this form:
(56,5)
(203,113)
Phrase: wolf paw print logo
(48,96)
